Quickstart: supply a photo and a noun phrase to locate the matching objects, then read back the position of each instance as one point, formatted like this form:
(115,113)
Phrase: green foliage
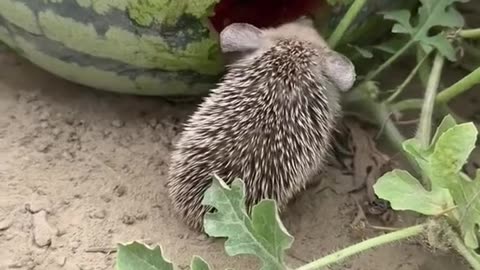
(406,193)
(441,162)
(137,256)
(199,264)
(263,235)
(431,14)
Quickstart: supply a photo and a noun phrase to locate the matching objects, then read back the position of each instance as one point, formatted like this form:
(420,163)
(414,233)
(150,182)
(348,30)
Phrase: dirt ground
(81,170)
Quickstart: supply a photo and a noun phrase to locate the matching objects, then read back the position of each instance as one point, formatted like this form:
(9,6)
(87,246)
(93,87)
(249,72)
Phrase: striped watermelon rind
(145,47)
(96,43)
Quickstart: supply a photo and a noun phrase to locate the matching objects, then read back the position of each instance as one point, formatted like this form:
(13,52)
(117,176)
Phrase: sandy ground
(81,170)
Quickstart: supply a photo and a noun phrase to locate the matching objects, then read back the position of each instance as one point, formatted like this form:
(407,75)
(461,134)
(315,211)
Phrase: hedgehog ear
(240,37)
(340,70)
(304,20)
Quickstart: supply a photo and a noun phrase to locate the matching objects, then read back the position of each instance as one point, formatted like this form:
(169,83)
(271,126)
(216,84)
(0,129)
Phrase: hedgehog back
(269,122)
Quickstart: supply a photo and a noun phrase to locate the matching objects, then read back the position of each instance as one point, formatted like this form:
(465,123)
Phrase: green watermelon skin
(143,47)
(106,47)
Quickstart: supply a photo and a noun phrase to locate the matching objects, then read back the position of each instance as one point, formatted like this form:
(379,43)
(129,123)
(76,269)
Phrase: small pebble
(141,215)
(43,147)
(75,244)
(44,116)
(85,267)
(69,120)
(61,232)
(120,190)
(42,232)
(44,125)
(117,123)
(38,205)
(100,214)
(153,122)
(105,198)
(67,155)
(30,97)
(106,133)
(5,224)
(128,220)
(60,261)
(72,137)
(56,132)
(202,237)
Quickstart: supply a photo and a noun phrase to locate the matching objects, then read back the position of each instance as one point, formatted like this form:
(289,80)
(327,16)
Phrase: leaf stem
(359,99)
(407,104)
(425,125)
(466,83)
(470,33)
(407,80)
(363,246)
(346,21)
(390,60)
(459,87)
(460,247)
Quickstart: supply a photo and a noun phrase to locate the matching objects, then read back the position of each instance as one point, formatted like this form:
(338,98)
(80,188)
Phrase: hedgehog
(269,121)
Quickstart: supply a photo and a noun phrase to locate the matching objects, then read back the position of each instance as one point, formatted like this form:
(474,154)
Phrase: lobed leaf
(263,235)
(442,162)
(467,196)
(137,256)
(432,13)
(199,264)
(414,148)
(404,192)
(451,152)
(447,123)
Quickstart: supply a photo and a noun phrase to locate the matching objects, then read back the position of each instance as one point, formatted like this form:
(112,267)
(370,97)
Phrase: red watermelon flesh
(261,13)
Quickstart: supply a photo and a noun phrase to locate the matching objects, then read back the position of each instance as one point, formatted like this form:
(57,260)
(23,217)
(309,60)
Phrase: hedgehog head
(247,42)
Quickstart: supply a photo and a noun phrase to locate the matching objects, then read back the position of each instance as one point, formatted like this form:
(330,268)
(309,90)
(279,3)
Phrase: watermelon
(143,47)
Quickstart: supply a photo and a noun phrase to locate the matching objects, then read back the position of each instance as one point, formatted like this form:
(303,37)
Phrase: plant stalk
(460,247)
(425,125)
(407,80)
(407,104)
(390,60)
(379,113)
(459,87)
(445,96)
(363,246)
(346,21)
(470,33)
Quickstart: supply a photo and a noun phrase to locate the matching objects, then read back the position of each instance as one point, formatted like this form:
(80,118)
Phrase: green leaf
(442,162)
(137,256)
(421,155)
(447,123)
(404,192)
(199,264)
(467,196)
(414,148)
(263,235)
(452,150)
(432,13)
(392,45)
(365,53)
